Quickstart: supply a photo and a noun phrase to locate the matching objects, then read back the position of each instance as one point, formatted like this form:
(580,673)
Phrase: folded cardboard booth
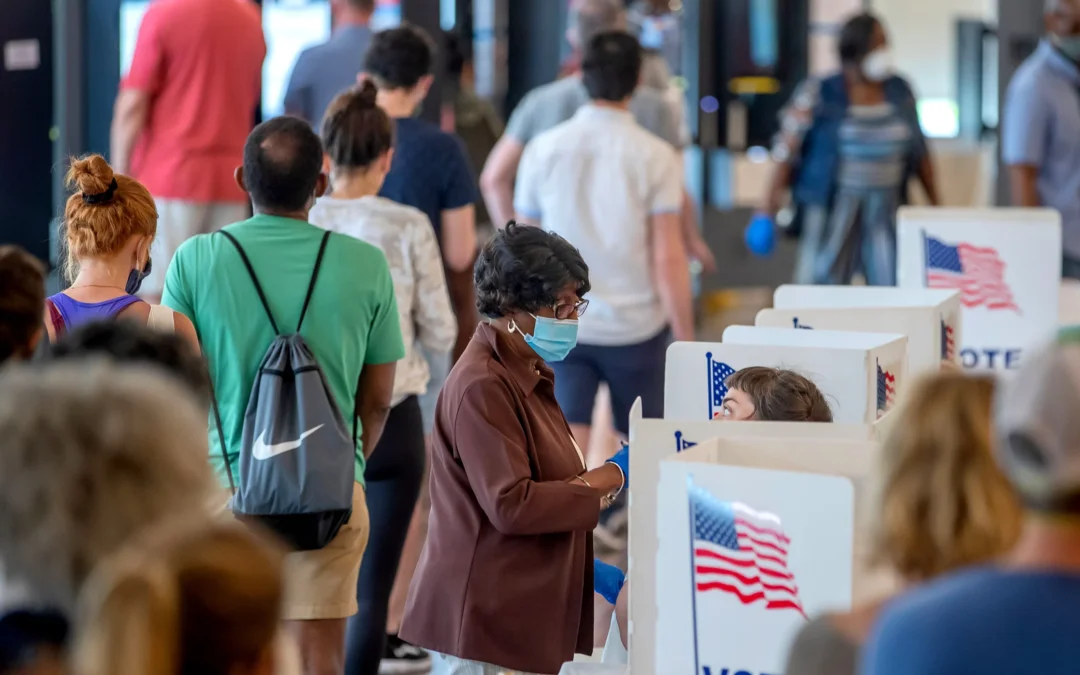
(859,373)
(929,318)
(844,452)
(1006,264)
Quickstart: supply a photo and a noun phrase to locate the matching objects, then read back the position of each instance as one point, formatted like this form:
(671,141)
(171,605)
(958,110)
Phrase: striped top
(874,145)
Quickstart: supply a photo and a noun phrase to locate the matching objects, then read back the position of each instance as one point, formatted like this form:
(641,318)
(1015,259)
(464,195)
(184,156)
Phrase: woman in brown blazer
(505,582)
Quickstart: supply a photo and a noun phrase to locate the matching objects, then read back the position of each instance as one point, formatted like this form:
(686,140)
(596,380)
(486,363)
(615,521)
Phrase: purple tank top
(75,313)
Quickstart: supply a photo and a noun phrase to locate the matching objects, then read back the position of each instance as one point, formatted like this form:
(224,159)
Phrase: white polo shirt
(596,180)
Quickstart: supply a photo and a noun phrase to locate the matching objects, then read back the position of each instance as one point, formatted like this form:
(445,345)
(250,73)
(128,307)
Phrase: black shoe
(401,658)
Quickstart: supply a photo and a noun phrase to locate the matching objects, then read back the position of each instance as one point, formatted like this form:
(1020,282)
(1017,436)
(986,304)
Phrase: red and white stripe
(982,283)
(758,572)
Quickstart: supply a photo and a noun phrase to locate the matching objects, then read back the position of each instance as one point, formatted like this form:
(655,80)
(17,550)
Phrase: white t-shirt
(597,180)
(407,239)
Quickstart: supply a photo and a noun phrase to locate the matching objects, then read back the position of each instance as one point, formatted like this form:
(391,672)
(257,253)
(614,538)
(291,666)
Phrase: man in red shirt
(183,113)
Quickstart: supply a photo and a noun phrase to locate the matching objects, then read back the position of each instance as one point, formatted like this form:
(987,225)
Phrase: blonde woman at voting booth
(941,504)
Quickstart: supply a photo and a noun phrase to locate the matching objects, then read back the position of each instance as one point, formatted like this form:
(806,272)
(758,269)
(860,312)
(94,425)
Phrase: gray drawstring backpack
(296,456)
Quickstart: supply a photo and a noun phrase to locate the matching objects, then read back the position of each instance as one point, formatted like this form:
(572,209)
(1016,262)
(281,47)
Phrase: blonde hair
(100,219)
(942,502)
(92,454)
(192,598)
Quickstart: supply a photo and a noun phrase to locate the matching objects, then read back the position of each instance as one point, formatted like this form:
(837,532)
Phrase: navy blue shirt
(324,71)
(986,620)
(430,172)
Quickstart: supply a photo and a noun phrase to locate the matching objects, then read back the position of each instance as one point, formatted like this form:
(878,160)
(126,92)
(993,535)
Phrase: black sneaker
(401,658)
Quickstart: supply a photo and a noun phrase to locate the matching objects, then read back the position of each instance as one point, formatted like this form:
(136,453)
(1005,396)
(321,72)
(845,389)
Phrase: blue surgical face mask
(551,339)
(135,279)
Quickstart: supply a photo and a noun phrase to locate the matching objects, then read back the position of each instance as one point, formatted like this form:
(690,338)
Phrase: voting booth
(929,318)
(839,452)
(859,373)
(746,555)
(1006,264)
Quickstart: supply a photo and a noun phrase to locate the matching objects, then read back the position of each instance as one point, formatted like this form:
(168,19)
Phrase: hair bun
(92,175)
(366,93)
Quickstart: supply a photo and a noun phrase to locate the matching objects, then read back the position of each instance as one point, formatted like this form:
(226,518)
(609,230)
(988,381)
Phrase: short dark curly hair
(524,268)
(126,342)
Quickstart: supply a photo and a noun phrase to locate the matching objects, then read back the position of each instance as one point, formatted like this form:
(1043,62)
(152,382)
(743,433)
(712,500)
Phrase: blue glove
(608,580)
(622,460)
(760,235)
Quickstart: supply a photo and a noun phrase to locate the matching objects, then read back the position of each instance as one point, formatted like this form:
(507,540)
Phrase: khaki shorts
(179,221)
(322,584)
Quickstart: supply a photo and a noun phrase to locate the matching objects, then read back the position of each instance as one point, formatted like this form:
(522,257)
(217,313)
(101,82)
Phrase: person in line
(110,224)
(181,118)
(22,304)
(189,597)
(430,171)
(359,138)
(1016,614)
(941,504)
(511,496)
(847,147)
(552,104)
(628,233)
(323,71)
(94,452)
(473,119)
(350,325)
(773,395)
(1039,122)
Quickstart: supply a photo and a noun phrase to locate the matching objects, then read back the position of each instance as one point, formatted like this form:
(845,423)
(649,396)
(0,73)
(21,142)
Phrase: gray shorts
(439,368)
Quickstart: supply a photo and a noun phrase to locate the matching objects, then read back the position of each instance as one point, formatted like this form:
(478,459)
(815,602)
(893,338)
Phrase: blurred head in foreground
(190,598)
(93,453)
(22,303)
(128,343)
(942,501)
(1038,425)
(773,395)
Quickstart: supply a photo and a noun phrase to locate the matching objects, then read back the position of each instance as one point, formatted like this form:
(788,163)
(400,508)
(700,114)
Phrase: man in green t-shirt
(351,327)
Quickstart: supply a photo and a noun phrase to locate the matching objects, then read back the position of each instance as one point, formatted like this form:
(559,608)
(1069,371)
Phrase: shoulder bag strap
(314,278)
(161,319)
(55,319)
(221,437)
(254,279)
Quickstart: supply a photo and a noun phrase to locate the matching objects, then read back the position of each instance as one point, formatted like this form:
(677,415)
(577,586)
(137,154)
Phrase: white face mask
(878,65)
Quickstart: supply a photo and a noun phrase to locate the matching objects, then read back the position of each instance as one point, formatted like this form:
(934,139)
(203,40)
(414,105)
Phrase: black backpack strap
(254,279)
(221,438)
(314,278)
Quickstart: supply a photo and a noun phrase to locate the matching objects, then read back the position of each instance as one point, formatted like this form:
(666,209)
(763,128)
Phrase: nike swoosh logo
(260,450)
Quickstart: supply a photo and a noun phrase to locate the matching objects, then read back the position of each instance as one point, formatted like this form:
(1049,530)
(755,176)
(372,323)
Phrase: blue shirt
(430,171)
(324,71)
(985,620)
(1041,127)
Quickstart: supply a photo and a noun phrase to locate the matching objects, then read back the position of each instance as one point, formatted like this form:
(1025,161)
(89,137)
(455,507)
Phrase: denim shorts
(630,371)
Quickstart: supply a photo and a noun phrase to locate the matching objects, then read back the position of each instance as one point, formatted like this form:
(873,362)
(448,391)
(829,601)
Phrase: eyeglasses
(565,312)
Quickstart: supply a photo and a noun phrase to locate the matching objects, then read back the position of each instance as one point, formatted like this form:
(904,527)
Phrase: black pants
(393,476)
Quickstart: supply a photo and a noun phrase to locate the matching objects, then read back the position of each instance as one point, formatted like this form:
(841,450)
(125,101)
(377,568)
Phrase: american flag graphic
(978,273)
(886,390)
(742,552)
(681,443)
(718,375)
(948,344)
